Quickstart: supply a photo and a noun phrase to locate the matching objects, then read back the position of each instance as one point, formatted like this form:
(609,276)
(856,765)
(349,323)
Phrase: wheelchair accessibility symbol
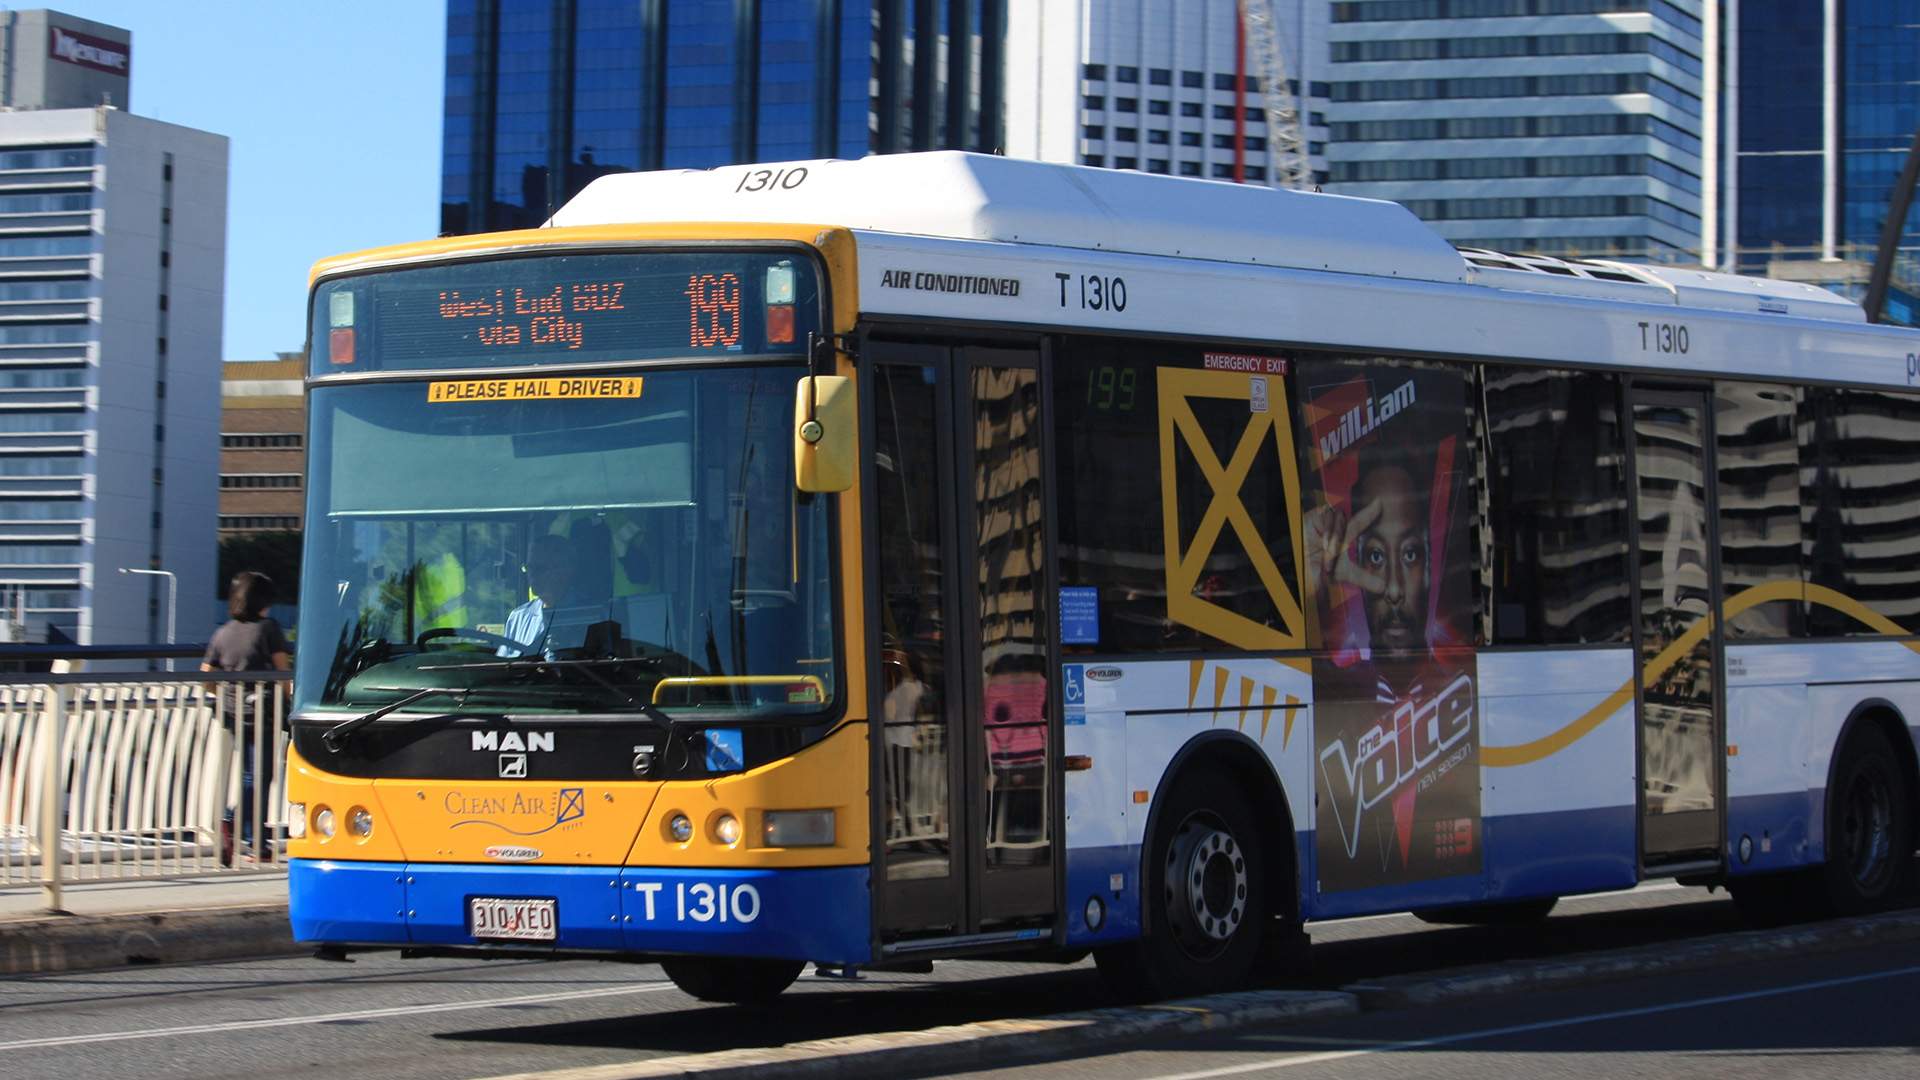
(1074,689)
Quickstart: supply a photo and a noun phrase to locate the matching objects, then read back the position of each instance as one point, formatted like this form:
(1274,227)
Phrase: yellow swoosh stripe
(1500,757)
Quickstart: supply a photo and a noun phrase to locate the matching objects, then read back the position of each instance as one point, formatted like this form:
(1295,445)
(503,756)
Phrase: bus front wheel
(1206,891)
(731,981)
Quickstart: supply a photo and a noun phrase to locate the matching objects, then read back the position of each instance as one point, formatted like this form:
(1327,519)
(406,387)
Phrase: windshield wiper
(584,667)
(336,736)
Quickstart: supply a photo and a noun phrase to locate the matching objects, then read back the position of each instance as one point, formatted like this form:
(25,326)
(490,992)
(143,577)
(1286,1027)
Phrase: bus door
(967,747)
(1681,699)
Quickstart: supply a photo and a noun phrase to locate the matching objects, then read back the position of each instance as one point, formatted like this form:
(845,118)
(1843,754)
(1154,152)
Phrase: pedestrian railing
(115,776)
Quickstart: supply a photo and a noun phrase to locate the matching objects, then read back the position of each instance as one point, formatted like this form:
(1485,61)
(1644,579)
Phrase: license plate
(501,919)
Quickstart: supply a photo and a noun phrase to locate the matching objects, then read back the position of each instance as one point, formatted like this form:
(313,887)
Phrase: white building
(1150,84)
(112,266)
(1562,127)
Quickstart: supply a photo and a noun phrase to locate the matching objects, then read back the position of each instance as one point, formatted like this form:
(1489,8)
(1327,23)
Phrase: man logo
(513,766)
(533,741)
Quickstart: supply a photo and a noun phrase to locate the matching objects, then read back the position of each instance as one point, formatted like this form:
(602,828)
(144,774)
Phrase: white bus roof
(948,194)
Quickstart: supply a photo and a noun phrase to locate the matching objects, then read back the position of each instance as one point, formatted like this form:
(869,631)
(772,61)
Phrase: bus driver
(550,563)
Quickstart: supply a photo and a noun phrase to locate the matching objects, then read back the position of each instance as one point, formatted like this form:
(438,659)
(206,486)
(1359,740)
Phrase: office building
(1821,110)
(1563,127)
(263,460)
(111,278)
(543,96)
(1163,86)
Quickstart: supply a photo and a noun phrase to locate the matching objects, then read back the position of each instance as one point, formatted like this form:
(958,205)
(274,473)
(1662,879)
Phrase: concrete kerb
(61,943)
(986,1042)
(1000,1042)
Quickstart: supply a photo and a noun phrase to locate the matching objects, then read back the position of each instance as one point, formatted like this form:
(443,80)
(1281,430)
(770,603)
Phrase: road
(459,1019)
(1848,1016)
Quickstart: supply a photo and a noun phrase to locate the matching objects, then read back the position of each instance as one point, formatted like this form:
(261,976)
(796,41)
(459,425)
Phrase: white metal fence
(140,776)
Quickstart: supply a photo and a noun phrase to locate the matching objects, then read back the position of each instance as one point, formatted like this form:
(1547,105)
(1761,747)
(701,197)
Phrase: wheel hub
(1207,886)
(1867,828)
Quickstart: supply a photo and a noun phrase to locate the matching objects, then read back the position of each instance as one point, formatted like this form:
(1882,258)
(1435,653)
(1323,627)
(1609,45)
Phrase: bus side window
(1555,470)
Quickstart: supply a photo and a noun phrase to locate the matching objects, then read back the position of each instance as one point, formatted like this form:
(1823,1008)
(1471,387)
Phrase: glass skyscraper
(545,95)
(1827,101)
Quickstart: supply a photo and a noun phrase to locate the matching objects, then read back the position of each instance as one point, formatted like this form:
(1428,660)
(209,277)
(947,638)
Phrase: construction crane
(1286,146)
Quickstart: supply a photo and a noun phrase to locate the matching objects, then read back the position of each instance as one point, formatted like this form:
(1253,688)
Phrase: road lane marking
(328,1018)
(1541,1025)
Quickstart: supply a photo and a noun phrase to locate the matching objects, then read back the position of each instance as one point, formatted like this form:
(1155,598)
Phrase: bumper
(814,914)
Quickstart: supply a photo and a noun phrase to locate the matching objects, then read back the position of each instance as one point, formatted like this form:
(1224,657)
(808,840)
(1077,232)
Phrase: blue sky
(332,109)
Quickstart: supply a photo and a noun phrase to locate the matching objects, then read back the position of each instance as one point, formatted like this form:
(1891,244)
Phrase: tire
(1869,827)
(1206,893)
(1510,913)
(730,981)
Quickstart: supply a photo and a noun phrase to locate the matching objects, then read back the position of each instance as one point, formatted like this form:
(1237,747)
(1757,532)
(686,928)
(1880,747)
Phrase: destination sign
(565,309)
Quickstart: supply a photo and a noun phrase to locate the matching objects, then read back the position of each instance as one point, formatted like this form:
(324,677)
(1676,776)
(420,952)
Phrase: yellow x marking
(1176,388)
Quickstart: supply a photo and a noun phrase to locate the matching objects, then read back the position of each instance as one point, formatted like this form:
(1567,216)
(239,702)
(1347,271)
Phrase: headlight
(323,823)
(680,827)
(726,829)
(360,822)
(296,820)
(797,828)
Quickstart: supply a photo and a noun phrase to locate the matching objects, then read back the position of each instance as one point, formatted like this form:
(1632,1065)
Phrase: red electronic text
(538,317)
(713,310)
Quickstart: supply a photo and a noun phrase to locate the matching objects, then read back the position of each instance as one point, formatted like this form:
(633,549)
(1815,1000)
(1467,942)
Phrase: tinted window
(1860,508)
(913,622)
(1556,485)
(1140,431)
(1759,473)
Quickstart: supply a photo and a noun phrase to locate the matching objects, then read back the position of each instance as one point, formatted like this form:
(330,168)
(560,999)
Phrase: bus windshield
(602,543)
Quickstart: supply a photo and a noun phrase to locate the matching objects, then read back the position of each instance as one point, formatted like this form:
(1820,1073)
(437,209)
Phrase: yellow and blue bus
(935,555)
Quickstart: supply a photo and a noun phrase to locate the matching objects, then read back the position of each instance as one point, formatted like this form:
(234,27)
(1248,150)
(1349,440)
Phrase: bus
(864,562)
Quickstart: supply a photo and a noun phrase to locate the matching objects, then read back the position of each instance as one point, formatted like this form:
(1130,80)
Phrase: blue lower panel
(1781,830)
(1562,853)
(822,914)
(1091,873)
(1523,855)
(1438,892)
(588,900)
(362,902)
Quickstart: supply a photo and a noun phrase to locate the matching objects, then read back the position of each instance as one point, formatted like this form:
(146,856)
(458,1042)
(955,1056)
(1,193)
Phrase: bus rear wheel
(732,981)
(1206,893)
(1869,826)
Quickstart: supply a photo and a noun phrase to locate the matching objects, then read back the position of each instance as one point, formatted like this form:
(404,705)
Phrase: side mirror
(824,440)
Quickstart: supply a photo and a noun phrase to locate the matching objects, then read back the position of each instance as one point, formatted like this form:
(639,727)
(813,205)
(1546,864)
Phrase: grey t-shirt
(246,646)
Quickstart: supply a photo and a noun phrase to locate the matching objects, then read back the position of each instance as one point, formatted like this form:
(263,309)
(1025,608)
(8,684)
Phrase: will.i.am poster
(1386,539)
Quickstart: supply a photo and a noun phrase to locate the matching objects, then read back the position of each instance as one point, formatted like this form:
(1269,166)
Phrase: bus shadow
(960,993)
(1344,953)
(815,1009)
